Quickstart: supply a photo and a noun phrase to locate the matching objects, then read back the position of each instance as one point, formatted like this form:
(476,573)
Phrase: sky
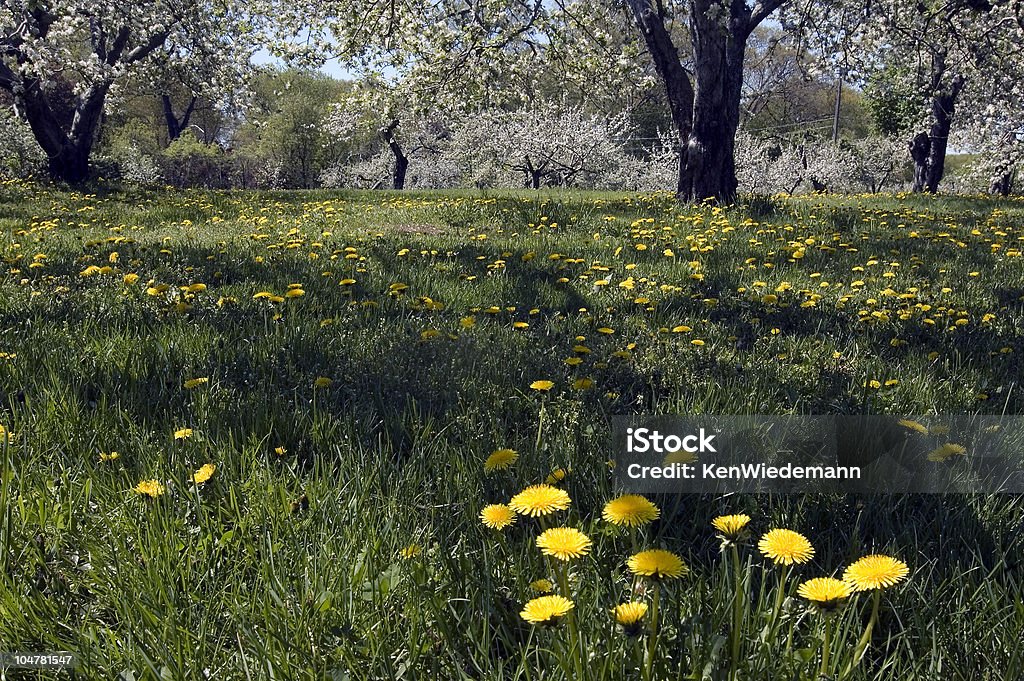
(332,68)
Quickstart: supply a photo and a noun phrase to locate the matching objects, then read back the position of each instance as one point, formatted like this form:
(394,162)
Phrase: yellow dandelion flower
(556,476)
(914,425)
(539,500)
(182,433)
(785,547)
(583,383)
(731,526)
(131,278)
(546,610)
(629,614)
(542,586)
(204,473)
(500,459)
(875,572)
(150,488)
(322,382)
(946,451)
(196,382)
(497,516)
(681,456)
(564,543)
(410,551)
(631,510)
(109,456)
(280,451)
(657,564)
(825,592)
(294,293)
(542,386)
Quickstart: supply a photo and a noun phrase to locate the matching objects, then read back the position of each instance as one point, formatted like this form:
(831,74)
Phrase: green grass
(289,565)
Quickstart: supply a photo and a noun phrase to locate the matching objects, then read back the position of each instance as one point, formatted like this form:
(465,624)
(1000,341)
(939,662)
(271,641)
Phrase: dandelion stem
(540,428)
(652,643)
(777,610)
(737,612)
(575,646)
(826,648)
(865,639)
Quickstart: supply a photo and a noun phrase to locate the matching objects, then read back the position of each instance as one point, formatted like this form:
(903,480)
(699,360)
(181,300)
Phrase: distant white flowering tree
(541,145)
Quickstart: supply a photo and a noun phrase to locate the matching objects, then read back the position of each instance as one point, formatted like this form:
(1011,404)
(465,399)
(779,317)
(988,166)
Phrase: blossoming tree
(95,45)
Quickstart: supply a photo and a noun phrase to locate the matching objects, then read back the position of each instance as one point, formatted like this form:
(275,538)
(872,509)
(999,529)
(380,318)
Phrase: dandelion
(914,425)
(542,586)
(150,488)
(540,500)
(183,434)
(946,452)
(630,613)
(546,610)
(564,543)
(731,526)
(657,564)
(500,459)
(542,386)
(411,551)
(196,382)
(204,473)
(872,573)
(827,595)
(497,516)
(322,382)
(109,456)
(875,572)
(681,456)
(785,547)
(280,451)
(631,510)
(556,476)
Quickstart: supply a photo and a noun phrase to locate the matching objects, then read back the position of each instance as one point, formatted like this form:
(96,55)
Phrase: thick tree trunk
(175,125)
(709,170)
(650,19)
(928,174)
(67,153)
(943,107)
(401,160)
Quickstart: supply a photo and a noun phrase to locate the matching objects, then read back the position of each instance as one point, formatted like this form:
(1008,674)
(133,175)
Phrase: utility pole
(835,113)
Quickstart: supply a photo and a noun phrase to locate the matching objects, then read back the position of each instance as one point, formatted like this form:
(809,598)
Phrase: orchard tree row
(700,96)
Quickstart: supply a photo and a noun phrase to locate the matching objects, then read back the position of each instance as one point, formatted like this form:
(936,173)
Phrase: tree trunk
(919,149)
(67,154)
(678,88)
(401,160)
(709,168)
(943,107)
(1002,184)
(175,125)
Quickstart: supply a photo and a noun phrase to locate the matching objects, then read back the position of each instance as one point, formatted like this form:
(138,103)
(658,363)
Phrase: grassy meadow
(347,362)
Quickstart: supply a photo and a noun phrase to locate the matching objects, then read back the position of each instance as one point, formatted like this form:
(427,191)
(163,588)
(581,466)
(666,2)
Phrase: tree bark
(401,160)
(175,125)
(1002,184)
(706,115)
(943,108)
(675,79)
(709,168)
(919,151)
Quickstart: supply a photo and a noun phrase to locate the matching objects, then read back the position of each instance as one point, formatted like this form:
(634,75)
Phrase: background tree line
(700,97)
